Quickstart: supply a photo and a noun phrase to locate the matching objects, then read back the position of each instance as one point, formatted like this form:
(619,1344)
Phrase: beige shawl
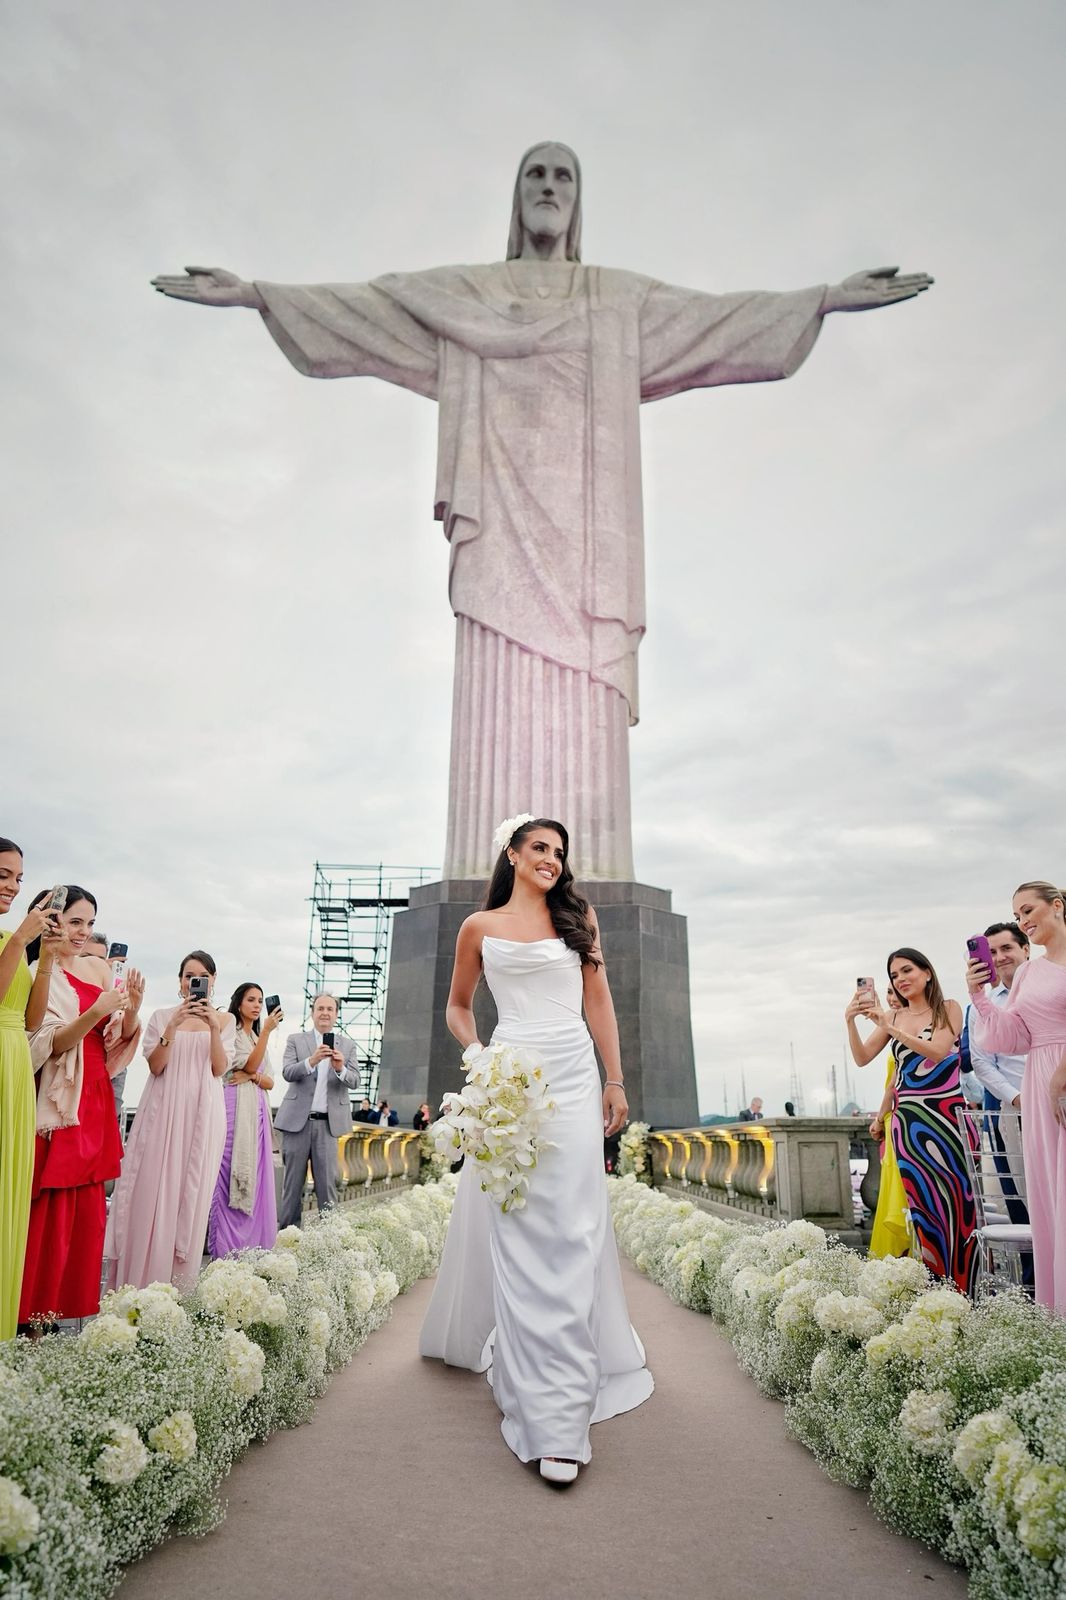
(244,1159)
(59,1091)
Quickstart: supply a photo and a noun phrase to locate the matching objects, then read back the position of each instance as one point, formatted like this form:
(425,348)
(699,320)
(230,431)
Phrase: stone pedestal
(646,947)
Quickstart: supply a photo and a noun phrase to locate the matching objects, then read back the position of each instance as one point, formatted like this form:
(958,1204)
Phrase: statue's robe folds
(539,371)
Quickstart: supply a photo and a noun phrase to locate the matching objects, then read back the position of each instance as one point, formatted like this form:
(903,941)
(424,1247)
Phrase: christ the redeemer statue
(539,366)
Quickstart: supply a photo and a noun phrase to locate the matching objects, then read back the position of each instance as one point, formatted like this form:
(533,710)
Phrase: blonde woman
(1033,1023)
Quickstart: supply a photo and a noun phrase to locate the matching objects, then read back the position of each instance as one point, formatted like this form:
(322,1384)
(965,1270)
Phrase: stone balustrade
(370,1160)
(779,1169)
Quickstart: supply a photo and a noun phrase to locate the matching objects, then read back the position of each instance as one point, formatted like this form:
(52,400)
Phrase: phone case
(977,949)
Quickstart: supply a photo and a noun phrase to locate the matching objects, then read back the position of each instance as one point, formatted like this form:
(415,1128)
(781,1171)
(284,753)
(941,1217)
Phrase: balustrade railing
(371,1160)
(782,1168)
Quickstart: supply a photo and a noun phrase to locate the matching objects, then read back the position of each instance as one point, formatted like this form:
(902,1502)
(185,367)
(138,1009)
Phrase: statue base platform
(646,947)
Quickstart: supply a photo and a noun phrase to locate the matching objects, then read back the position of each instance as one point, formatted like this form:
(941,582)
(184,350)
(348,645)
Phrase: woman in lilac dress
(244,1210)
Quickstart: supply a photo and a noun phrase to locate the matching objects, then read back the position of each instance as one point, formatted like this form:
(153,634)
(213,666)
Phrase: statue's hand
(882,286)
(210,286)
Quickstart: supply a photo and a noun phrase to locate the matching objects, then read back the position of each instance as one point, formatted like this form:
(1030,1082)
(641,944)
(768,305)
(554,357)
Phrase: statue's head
(547,198)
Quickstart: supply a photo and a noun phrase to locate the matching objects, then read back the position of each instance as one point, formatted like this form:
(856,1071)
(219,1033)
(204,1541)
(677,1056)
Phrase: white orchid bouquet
(495,1120)
(633,1152)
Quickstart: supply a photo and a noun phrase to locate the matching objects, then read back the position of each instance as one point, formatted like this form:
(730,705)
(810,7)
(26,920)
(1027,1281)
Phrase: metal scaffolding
(352,907)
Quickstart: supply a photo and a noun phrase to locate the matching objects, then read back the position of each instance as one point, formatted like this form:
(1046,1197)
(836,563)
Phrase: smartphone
(977,949)
(328,1040)
(272,1003)
(199,987)
(57,900)
(116,960)
(865,983)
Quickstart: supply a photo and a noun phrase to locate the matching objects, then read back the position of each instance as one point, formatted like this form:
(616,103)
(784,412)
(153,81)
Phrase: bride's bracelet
(613,1083)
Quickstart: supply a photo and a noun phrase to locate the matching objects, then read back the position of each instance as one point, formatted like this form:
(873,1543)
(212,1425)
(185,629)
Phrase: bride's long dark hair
(568,910)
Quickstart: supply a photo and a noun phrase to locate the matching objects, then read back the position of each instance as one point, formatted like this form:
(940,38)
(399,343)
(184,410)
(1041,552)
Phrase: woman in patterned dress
(926,1095)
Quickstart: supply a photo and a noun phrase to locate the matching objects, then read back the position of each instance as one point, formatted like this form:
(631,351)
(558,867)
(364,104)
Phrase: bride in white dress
(535,1296)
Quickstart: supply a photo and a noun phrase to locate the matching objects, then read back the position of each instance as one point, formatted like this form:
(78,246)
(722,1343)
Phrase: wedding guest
(89,1032)
(365,1112)
(1032,1022)
(316,1111)
(1000,1072)
(244,1210)
(97,944)
(422,1118)
(158,1222)
(892,1233)
(926,1137)
(753,1112)
(387,1117)
(23,1000)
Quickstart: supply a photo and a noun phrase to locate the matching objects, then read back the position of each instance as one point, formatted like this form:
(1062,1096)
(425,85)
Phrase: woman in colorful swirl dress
(927,1093)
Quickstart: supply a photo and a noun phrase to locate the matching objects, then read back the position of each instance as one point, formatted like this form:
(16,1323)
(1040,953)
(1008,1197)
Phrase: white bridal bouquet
(496,1120)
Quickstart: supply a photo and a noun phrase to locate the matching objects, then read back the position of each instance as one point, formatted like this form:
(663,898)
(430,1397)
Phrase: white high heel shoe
(558,1471)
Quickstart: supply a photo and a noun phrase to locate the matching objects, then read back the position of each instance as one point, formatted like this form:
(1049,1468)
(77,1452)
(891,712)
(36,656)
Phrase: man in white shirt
(320,1066)
(1000,1075)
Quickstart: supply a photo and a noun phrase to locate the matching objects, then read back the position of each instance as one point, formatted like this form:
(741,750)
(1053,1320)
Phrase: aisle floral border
(113,1439)
(951,1415)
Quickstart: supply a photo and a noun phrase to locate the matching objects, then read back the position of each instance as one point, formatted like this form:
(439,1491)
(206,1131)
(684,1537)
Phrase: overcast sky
(227,640)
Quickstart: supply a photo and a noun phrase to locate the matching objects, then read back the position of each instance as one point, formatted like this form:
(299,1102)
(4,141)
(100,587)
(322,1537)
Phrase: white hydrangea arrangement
(952,1415)
(496,1120)
(110,1440)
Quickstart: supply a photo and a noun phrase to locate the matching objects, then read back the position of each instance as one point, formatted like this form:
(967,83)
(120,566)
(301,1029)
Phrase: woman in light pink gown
(1033,1023)
(157,1223)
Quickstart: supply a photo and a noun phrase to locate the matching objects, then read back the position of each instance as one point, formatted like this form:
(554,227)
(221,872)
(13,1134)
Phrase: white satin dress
(535,1297)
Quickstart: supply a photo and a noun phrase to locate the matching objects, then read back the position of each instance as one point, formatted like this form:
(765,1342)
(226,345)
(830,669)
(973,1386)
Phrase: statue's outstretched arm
(210,286)
(881,286)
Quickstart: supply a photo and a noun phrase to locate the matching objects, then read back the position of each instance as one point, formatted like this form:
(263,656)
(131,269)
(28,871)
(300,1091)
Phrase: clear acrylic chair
(992,1146)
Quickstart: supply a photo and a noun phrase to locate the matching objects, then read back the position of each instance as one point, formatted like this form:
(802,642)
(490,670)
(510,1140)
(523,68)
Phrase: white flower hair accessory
(507,830)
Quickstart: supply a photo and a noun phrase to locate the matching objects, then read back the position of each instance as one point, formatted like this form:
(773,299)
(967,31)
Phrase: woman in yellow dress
(892,1233)
(22,1005)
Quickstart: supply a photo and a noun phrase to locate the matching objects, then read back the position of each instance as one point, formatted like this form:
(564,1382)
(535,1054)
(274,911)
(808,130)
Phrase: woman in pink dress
(1033,1023)
(158,1219)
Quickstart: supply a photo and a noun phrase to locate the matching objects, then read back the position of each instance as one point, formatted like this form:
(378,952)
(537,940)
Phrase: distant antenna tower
(795,1087)
(745,1102)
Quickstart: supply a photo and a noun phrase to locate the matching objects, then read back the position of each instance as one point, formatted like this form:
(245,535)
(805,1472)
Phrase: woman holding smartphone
(1032,1022)
(23,999)
(244,1210)
(89,1032)
(926,1139)
(158,1223)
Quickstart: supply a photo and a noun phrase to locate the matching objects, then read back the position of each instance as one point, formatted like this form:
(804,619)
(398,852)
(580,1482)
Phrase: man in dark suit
(317,1110)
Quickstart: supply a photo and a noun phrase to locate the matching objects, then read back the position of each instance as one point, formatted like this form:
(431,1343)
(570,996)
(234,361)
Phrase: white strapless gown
(535,1297)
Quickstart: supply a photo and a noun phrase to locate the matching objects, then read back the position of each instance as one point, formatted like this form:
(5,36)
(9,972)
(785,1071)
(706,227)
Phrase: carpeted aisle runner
(402,1487)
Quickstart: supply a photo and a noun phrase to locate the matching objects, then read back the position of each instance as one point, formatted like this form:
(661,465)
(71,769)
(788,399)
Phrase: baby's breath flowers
(127,1429)
(952,1415)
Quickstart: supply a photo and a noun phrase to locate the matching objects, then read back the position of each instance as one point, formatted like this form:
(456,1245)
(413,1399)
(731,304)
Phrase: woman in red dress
(89,1033)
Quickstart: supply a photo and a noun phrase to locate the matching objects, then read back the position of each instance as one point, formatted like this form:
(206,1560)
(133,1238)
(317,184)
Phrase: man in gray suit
(316,1111)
